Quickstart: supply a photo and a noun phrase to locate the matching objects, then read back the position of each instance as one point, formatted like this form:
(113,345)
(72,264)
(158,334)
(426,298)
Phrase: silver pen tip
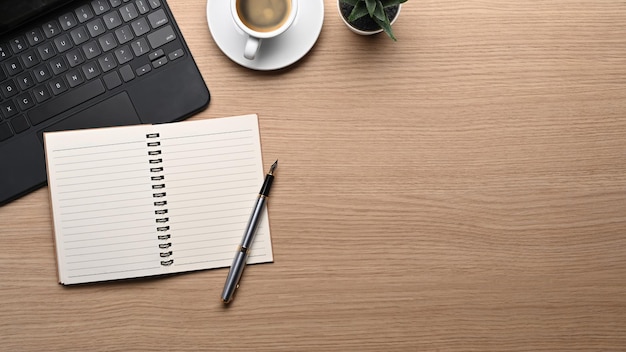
(273,167)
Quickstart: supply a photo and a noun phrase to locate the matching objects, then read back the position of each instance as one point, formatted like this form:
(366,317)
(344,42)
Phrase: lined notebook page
(108,223)
(102,204)
(213,173)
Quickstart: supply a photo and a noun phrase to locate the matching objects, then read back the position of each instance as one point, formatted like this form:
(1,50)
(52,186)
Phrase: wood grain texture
(462,189)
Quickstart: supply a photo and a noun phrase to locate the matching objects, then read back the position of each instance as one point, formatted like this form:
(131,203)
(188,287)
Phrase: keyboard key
(90,70)
(41,93)
(112,20)
(155,55)
(18,44)
(3,76)
(91,50)
(157,19)
(76,96)
(107,62)
(154,3)
(19,124)
(5,131)
(13,66)
(140,27)
(128,12)
(25,81)
(8,108)
(57,85)
(124,35)
(51,28)
(142,6)
(84,13)
(159,62)
(123,54)
(140,47)
(127,73)
(4,53)
(68,21)
(79,35)
(46,51)
(42,73)
(143,70)
(74,78)
(95,27)
(176,54)
(30,59)
(8,88)
(100,6)
(161,36)
(74,58)
(62,43)
(34,36)
(115,3)
(107,42)
(112,80)
(58,65)
(25,101)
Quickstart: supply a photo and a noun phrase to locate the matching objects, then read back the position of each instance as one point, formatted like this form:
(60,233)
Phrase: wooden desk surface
(463,189)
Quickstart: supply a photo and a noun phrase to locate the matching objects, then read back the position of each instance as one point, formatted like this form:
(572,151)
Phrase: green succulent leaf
(371,7)
(386,26)
(379,12)
(358,11)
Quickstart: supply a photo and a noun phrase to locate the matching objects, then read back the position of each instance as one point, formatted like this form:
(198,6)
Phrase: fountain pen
(239,263)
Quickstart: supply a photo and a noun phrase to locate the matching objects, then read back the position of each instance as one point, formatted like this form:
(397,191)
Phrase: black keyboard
(79,55)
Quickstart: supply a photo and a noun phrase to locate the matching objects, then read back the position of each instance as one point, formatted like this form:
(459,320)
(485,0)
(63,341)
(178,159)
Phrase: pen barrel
(253,223)
(234,274)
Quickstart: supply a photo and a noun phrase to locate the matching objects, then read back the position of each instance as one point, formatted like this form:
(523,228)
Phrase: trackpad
(115,111)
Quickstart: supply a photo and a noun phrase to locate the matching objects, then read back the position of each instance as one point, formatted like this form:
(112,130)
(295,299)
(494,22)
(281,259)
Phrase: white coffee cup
(262,19)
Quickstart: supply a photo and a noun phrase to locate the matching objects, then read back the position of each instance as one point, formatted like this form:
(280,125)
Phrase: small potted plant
(370,16)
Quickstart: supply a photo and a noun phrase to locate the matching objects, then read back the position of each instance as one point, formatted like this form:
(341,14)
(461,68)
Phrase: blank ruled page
(102,204)
(213,172)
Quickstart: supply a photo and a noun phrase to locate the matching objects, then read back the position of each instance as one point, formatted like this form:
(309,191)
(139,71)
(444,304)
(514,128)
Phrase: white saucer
(274,53)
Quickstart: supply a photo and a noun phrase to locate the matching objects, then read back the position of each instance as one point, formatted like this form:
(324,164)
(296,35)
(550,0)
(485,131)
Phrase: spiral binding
(160,202)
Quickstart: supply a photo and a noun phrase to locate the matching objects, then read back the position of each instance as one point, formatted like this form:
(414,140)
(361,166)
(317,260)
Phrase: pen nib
(273,167)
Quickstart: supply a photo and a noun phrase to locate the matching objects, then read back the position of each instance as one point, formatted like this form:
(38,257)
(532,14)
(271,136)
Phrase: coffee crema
(263,15)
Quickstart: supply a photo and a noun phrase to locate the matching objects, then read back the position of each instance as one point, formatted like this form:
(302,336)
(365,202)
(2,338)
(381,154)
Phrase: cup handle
(252,47)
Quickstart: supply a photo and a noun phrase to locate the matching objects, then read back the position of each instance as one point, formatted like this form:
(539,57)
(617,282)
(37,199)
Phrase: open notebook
(147,200)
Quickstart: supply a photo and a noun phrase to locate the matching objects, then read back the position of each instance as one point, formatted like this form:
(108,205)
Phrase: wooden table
(462,189)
